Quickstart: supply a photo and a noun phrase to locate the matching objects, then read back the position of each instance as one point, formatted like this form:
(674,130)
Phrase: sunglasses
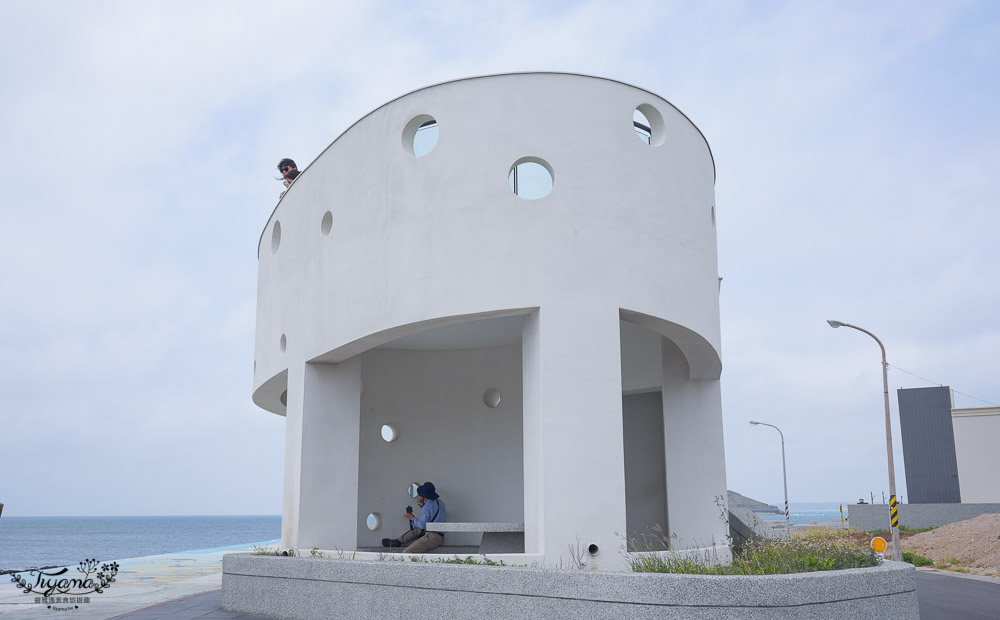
(286,168)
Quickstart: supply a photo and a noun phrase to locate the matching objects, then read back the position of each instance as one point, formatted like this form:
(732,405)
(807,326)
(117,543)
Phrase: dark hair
(286,162)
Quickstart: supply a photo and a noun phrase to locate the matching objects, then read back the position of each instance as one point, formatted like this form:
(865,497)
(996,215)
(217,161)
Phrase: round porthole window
(413,489)
(374,521)
(647,122)
(420,135)
(326,224)
(530,178)
(389,433)
(283,343)
(275,237)
(492,398)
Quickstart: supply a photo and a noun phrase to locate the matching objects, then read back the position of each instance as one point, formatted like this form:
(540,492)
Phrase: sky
(856,144)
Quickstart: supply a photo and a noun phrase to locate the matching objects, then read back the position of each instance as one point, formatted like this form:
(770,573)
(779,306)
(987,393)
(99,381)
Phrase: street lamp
(897,553)
(784,474)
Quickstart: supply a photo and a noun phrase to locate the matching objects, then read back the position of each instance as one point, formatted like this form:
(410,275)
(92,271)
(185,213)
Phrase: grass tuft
(916,559)
(763,557)
(468,560)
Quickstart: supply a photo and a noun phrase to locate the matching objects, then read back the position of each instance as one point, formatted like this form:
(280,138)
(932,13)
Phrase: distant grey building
(929,445)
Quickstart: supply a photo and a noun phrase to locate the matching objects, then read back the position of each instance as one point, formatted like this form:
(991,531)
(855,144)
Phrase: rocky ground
(971,546)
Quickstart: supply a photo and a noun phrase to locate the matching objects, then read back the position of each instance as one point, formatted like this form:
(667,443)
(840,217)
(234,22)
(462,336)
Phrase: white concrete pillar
(574,466)
(695,455)
(321,456)
(293,457)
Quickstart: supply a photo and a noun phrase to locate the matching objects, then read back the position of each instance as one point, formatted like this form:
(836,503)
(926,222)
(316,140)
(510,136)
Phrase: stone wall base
(306,588)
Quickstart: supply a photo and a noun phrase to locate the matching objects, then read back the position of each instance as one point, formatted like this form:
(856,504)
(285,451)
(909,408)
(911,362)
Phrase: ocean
(806,513)
(32,542)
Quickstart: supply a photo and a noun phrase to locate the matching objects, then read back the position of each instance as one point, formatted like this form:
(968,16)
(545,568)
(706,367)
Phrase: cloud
(855,148)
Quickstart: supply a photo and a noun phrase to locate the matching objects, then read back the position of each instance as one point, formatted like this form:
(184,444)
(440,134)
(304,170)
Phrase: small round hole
(492,398)
(374,521)
(389,433)
(275,237)
(713,215)
(413,489)
(592,549)
(284,398)
(420,135)
(327,223)
(283,343)
(647,122)
(530,178)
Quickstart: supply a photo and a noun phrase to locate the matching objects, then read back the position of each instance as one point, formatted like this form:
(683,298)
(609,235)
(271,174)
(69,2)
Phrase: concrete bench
(497,537)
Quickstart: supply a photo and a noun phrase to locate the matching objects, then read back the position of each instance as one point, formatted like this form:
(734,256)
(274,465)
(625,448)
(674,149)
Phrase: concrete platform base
(303,588)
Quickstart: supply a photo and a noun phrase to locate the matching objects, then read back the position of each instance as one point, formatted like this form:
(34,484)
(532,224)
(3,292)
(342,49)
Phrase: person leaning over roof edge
(288,171)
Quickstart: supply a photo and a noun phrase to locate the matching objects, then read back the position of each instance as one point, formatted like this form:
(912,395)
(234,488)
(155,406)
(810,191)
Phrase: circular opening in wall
(648,125)
(420,135)
(413,489)
(374,521)
(389,433)
(492,398)
(327,223)
(283,343)
(592,549)
(275,237)
(713,216)
(530,178)
(284,398)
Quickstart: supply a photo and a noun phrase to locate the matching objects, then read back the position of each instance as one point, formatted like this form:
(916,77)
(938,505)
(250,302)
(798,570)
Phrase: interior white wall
(695,454)
(645,480)
(977,435)
(641,366)
(447,435)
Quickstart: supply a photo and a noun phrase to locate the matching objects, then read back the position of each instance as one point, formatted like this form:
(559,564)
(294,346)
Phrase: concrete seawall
(870,517)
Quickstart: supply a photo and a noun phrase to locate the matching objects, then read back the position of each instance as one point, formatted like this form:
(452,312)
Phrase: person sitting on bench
(432,510)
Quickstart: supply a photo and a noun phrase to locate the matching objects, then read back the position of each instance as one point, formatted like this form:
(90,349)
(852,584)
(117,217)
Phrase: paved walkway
(141,584)
(205,605)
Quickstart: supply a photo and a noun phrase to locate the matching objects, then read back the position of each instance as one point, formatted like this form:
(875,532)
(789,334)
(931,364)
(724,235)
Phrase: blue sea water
(31,542)
(806,513)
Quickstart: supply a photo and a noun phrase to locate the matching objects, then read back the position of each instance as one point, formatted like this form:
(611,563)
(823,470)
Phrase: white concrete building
(977,435)
(403,282)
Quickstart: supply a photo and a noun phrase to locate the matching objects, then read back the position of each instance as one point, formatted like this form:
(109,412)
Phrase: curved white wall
(627,225)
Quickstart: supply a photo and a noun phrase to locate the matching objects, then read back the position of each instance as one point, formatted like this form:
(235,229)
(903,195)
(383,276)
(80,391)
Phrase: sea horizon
(5,516)
(28,542)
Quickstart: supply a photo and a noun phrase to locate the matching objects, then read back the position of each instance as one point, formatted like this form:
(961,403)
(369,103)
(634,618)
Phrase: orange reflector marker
(878,544)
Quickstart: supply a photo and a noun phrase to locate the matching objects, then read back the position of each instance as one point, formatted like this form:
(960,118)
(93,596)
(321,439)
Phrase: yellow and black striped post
(893,512)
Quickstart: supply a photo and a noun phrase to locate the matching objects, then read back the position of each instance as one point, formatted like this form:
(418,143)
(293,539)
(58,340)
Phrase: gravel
(975,543)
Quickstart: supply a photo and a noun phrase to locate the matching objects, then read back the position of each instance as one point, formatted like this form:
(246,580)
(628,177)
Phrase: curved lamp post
(784,474)
(897,553)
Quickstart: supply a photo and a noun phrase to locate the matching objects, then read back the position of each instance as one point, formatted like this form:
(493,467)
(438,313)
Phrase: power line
(894,367)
